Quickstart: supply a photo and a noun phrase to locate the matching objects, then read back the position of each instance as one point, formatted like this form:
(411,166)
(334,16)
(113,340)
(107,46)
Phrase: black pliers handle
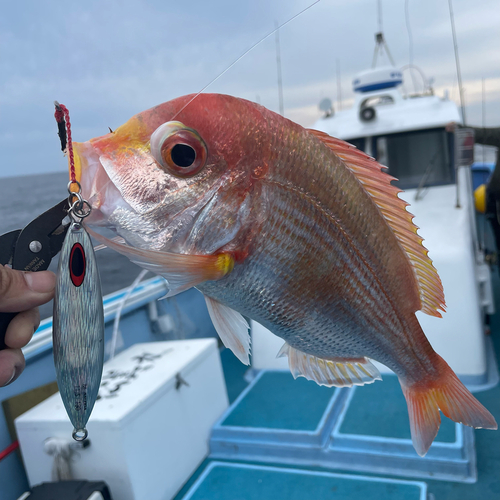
(32,248)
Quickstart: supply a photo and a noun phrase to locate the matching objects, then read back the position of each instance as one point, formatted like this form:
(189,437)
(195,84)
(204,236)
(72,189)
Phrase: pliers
(32,248)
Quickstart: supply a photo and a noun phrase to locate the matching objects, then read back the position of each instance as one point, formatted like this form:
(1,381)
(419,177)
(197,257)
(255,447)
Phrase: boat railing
(142,294)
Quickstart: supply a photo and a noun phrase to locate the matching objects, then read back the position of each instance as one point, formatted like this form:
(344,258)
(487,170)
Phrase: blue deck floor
(359,420)
(226,481)
(294,406)
(487,486)
(372,400)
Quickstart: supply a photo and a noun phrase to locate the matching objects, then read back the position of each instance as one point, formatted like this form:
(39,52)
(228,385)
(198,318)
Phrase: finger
(20,291)
(450,126)
(21,328)
(11,365)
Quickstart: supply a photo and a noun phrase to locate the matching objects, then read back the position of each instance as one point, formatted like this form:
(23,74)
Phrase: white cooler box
(149,431)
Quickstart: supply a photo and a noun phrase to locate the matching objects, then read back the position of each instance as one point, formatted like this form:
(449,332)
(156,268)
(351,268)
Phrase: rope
(11,448)
(64,125)
(62,452)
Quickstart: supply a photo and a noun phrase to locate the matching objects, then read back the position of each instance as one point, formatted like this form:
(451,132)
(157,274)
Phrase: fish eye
(183,155)
(178,149)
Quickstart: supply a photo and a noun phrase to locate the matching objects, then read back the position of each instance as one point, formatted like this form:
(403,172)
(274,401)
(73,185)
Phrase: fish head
(179,176)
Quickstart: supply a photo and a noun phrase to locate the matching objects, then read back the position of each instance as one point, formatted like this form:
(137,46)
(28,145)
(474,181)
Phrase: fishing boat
(180,417)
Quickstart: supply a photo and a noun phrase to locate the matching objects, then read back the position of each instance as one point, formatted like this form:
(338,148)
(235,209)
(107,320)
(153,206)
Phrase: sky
(108,60)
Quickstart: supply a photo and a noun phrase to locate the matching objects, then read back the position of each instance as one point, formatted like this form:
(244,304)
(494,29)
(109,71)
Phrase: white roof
(401,115)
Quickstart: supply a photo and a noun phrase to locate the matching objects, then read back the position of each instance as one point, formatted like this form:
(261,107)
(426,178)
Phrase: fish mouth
(96,186)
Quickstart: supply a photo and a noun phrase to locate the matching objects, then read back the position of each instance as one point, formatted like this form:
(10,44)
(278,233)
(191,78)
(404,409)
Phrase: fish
(78,328)
(288,226)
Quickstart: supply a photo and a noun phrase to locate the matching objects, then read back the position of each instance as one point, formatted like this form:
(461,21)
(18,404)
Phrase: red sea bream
(290,227)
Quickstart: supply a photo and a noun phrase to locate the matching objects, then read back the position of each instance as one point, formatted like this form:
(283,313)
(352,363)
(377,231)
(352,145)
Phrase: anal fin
(338,372)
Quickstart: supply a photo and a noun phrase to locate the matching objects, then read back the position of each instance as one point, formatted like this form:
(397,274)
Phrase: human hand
(21,292)
(451,127)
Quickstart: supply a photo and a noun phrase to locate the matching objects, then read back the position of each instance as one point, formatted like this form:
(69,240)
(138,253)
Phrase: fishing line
(244,54)
(410,38)
(121,305)
(230,66)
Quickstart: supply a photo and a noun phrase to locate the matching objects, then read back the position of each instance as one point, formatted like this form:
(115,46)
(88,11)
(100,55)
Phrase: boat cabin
(406,133)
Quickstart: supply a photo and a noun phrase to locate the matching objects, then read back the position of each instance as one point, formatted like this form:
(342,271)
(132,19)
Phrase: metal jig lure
(78,321)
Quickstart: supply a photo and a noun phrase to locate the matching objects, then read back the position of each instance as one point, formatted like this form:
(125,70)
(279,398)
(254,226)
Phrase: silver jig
(78,322)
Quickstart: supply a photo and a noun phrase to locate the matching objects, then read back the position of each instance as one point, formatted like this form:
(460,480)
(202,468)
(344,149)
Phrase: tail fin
(448,394)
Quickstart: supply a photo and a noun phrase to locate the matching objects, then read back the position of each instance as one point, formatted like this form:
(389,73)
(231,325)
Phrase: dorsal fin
(378,184)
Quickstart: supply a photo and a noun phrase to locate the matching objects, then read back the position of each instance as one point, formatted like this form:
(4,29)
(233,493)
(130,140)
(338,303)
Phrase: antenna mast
(457,62)
(483,113)
(379,11)
(380,43)
(339,87)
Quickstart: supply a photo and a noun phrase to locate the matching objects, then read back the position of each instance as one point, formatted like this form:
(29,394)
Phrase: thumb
(20,290)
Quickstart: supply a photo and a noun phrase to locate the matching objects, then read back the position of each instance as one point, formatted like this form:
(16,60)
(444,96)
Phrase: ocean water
(23,198)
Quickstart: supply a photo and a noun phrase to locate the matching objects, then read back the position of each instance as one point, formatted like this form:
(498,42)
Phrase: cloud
(109,60)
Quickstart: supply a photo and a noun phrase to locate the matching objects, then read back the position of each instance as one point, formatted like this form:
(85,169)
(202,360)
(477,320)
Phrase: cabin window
(381,149)
(414,158)
(358,143)
(379,100)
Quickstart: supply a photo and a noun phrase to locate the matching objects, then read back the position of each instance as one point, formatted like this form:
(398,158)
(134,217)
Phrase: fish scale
(323,340)
(337,190)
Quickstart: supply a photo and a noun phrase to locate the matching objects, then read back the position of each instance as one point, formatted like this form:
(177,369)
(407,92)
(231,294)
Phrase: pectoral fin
(232,329)
(338,372)
(182,271)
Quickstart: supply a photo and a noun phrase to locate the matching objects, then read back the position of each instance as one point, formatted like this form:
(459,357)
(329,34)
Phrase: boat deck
(231,481)
(257,459)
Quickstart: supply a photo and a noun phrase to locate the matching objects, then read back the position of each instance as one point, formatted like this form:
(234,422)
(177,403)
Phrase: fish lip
(97,188)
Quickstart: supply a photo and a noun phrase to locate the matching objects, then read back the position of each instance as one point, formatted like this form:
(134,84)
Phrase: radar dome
(373,79)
